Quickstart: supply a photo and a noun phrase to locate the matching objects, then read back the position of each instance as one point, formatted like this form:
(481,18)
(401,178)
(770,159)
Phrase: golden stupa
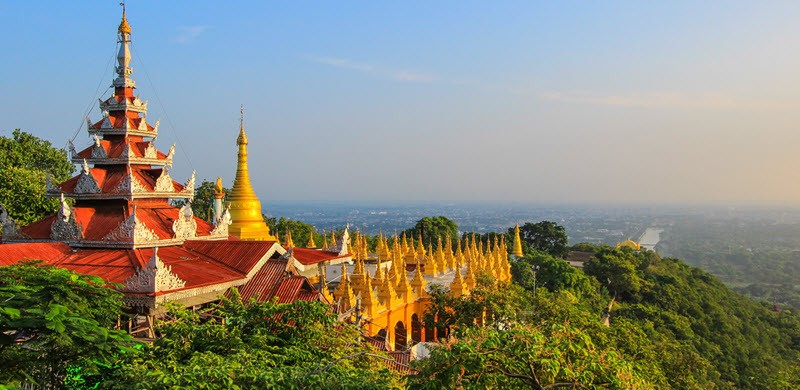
(245,208)
(516,248)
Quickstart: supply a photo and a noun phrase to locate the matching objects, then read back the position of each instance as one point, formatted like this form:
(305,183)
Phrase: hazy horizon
(675,103)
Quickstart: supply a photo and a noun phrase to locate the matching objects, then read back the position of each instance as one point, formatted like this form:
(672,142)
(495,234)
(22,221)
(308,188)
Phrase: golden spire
(403,286)
(245,208)
(311,244)
(343,293)
(124,27)
(418,283)
(457,286)
(288,238)
(517,246)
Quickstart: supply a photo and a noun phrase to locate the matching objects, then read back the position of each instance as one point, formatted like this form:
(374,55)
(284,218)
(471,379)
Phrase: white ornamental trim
(86,182)
(170,155)
(65,227)
(185,226)
(164,182)
(131,185)
(11,230)
(221,224)
(132,230)
(155,276)
(150,151)
(189,186)
(97,150)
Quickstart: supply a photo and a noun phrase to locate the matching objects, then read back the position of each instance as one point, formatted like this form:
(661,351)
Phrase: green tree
(525,356)
(25,160)
(260,345)
(433,228)
(545,236)
(551,272)
(53,320)
(617,270)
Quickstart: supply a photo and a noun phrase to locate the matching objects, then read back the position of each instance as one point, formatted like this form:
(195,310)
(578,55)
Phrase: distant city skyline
(532,102)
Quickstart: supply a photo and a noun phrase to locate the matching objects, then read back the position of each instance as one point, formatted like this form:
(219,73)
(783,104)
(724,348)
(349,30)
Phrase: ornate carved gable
(164,182)
(97,149)
(131,185)
(221,224)
(86,182)
(155,276)
(185,226)
(11,230)
(150,151)
(132,230)
(170,156)
(65,227)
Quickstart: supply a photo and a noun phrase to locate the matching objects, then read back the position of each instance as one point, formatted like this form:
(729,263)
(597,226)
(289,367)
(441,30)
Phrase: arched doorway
(400,336)
(416,329)
(381,335)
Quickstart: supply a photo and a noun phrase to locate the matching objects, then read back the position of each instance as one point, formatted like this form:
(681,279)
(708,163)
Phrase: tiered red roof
(123,228)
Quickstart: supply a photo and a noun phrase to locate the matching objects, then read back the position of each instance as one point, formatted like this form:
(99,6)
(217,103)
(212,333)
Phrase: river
(650,238)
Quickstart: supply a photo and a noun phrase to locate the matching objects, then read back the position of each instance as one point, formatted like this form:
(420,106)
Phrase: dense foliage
(545,236)
(669,326)
(522,341)
(25,160)
(433,228)
(53,321)
(758,254)
(261,345)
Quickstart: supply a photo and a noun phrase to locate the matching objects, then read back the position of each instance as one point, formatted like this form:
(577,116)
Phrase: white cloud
(375,70)
(187,34)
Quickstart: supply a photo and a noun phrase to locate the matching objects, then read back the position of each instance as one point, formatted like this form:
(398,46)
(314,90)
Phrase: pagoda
(123,189)
(244,206)
(122,227)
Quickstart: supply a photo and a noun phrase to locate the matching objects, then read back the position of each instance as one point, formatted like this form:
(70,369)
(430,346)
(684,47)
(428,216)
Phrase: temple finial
(124,27)
(242,140)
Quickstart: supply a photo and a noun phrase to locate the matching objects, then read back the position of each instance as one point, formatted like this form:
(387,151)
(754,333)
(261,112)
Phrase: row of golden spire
(390,284)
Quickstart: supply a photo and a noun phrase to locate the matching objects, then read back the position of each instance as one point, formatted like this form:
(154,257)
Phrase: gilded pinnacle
(124,27)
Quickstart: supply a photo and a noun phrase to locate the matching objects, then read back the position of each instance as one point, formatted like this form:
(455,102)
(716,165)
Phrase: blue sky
(558,101)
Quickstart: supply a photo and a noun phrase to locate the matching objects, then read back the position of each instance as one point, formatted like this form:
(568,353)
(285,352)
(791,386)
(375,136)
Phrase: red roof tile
(239,255)
(308,256)
(45,251)
(264,281)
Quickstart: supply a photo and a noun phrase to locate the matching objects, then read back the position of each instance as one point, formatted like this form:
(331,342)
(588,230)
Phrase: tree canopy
(25,161)
(545,236)
(433,228)
(53,320)
(260,345)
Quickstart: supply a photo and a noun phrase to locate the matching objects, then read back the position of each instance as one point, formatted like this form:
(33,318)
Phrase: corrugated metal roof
(264,282)
(308,256)
(239,255)
(45,251)
(288,289)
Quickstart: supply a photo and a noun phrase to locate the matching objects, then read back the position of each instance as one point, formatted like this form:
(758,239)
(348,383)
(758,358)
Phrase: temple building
(123,228)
